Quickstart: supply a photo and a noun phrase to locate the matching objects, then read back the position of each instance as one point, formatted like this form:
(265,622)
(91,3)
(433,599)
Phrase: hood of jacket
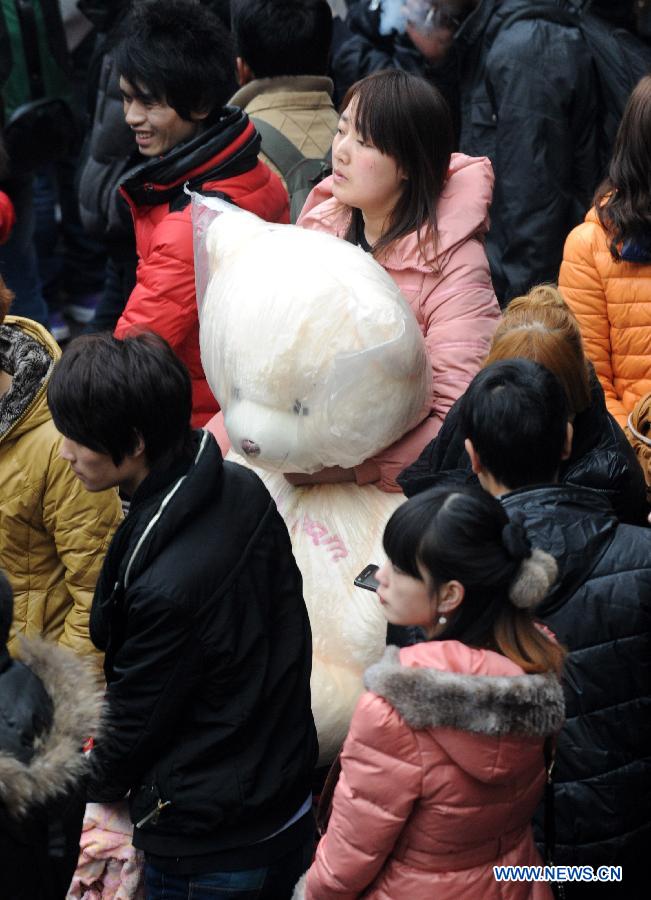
(228,148)
(462,213)
(57,764)
(484,23)
(578,524)
(28,353)
(452,687)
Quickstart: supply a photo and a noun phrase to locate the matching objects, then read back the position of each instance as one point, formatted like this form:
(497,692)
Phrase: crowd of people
(155,646)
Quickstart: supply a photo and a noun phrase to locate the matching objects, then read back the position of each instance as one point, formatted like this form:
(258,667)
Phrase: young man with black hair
(175,67)
(200,612)
(283,47)
(516,430)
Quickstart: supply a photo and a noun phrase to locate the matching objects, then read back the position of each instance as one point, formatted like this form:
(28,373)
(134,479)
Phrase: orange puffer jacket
(612,302)
(441,772)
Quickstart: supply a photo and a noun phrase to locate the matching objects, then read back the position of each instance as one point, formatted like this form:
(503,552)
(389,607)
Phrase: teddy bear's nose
(250,447)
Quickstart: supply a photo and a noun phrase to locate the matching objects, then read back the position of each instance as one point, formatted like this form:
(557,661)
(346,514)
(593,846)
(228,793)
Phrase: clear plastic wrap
(311,350)
(336,530)
(316,360)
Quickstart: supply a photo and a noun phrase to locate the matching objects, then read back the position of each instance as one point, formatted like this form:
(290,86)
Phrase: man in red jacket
(175,66)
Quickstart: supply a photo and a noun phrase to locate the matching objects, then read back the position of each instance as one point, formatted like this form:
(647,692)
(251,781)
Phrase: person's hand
(329,475)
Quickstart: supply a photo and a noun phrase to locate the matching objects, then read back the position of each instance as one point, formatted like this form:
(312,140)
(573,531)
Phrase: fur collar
(58,763)
(531,705)
(29,363)
(301,887)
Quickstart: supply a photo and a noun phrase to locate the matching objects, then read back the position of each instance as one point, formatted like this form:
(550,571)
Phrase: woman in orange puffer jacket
(443,766)
(605,277)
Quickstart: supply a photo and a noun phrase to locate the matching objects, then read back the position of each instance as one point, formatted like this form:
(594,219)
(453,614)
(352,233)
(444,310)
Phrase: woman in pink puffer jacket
(443,766)
(398,191)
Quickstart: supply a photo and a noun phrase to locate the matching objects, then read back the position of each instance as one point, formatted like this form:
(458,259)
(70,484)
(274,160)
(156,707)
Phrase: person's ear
(450,597)
(243,71)
(567,445)
(139,449)
(475,461)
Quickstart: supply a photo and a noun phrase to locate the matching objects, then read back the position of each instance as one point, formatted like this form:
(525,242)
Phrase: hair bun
(514,538)
(536,575)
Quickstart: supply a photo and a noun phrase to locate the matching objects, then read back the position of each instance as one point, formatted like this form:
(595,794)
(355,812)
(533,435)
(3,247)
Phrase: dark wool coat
(208,661)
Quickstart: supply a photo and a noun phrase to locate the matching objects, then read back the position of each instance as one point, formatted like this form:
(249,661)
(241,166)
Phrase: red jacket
(164,299)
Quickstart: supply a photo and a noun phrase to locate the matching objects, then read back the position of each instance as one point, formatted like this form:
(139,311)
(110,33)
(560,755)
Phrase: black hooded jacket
(600,609)
(529,102)
(208,657)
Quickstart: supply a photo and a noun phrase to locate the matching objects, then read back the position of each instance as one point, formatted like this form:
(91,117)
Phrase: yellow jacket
(612,303)
(53,533)
(299,106)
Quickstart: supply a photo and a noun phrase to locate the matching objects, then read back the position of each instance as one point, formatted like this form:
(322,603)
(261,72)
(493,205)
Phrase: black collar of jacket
(575,524)
(152,521)
(160,180)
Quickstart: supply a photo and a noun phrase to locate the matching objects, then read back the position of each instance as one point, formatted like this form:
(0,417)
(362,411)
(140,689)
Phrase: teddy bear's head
(310,349)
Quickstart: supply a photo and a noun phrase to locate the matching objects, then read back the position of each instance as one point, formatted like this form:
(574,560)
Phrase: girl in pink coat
(399,192)
(443,766)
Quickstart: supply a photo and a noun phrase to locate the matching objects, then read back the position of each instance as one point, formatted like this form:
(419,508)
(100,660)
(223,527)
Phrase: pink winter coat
(441,772)
(455,306)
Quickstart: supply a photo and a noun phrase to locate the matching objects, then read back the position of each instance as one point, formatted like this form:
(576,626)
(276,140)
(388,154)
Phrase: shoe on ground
(81,309)
(59,328)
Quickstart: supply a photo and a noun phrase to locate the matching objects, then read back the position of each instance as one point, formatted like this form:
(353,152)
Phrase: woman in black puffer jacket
(540,326)
(49,705)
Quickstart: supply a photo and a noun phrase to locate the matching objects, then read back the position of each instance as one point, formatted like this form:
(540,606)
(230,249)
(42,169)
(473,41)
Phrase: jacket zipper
(152,817)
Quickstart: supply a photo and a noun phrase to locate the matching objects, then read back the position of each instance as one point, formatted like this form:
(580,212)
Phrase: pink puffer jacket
(455,306)
(441,772)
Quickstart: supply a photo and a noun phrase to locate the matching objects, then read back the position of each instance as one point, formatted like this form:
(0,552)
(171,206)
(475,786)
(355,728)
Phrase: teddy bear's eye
(300,410)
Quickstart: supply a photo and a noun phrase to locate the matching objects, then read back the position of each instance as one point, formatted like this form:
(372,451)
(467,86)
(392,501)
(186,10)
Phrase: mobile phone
(366,578)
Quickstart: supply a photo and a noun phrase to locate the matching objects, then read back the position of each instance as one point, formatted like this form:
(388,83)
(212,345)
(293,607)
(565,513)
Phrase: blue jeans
(272,882)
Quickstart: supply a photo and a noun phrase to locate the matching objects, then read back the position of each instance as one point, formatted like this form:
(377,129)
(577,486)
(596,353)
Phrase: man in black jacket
(527,101)
(200,612)
(514,420)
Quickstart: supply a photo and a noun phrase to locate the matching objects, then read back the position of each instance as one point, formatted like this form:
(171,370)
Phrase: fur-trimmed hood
(28,353)
(451,687)
(57,764)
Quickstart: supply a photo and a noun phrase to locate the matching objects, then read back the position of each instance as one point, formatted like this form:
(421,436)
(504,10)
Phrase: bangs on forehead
(403,537)
(372,119)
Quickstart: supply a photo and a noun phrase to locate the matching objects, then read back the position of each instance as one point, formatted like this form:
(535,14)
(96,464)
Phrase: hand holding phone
(366,578)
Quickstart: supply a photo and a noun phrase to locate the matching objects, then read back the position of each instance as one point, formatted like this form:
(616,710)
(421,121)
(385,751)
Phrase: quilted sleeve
(163,299)
(583,291)
(81,524)
(461,313)
(367,818)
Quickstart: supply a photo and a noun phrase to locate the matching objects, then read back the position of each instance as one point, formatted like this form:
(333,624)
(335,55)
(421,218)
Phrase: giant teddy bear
(316,360)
